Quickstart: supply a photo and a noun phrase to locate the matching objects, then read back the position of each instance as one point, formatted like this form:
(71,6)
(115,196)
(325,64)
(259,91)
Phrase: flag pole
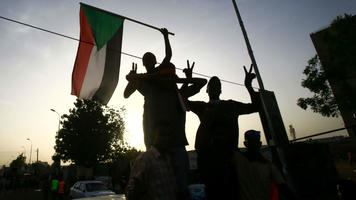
(250,52)
(116,15)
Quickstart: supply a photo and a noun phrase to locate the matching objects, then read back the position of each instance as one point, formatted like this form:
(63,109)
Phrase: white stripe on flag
(94,74)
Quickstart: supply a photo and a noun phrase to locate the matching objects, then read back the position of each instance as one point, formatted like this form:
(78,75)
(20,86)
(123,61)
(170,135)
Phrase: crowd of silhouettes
(161,172)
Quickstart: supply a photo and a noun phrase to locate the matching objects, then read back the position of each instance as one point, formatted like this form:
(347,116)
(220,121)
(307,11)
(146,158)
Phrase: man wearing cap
(257,177)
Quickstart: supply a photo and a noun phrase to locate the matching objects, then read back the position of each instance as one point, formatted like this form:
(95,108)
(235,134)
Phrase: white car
(83,189)
(109,197)
(197,191)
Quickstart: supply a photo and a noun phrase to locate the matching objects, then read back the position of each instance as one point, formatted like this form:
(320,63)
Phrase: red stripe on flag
(83,54)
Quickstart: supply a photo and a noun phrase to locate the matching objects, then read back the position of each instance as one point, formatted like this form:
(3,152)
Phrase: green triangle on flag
(103,25)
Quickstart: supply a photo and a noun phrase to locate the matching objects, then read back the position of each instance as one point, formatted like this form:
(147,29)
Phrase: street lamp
(59,118)
(30,150)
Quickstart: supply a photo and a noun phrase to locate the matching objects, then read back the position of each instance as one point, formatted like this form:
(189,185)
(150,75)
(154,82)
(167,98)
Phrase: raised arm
(167,44)
(167,80)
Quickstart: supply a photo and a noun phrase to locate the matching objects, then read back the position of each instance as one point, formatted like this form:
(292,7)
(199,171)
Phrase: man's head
(149,61)
(162,138)
(253,141)
(214,88)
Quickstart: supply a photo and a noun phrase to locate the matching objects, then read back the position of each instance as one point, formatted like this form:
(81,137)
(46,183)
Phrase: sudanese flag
(96,68)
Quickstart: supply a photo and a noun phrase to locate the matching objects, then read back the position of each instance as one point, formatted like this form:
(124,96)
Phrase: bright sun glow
(134,133)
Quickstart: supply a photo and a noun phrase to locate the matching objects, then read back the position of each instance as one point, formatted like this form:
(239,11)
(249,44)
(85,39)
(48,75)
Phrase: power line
(322,133)
(41,29)
(126,54)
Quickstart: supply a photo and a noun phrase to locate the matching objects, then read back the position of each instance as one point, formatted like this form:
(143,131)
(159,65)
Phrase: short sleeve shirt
(162,105)
(154,173)
(219,123)
(255,177)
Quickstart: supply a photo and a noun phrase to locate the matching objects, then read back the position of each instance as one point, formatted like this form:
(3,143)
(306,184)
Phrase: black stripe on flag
(112,69)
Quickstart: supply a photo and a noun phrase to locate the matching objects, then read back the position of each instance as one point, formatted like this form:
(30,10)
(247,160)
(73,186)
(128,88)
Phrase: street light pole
(59,118)
(30,150)
(37,155)
(275,133)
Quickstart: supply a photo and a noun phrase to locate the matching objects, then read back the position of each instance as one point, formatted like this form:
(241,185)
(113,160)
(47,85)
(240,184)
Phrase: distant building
(336,47)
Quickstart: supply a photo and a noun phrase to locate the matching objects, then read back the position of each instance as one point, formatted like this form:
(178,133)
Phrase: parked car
(197,191)
(109,197)
(83,189)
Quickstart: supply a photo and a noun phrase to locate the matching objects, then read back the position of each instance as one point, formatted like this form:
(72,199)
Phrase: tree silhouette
(123,152)
(19,162)
(323,100)
(90,133)
(335,46)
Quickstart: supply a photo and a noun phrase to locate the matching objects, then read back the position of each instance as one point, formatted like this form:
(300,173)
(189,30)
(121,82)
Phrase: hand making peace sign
(134,68)
(249,76)
(189,70)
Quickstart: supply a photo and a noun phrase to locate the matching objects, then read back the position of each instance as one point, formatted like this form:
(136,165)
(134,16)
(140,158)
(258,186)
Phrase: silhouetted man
(217,136)
(152,175)
(149,89)
(257,177)
(165,102)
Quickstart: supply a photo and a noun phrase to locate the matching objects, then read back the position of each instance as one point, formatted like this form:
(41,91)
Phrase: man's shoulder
(227,104)
(197,105)
(150,154)
(230,101)
(265,160)
(260,158)
(236,106)
(145,159)
(165,68)
(198,102)
(140,157)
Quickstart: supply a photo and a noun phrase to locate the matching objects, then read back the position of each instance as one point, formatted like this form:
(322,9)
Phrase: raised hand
(132,72)
(132,85)
(164,31)
(189,70)
(249,76)
(134,68)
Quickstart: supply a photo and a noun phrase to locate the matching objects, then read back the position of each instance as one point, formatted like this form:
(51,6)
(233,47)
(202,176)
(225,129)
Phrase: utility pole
(275,133)
(274,129)
(59,118)
(249,49)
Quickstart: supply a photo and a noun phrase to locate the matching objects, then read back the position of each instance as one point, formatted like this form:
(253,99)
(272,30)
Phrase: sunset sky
(36,66)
